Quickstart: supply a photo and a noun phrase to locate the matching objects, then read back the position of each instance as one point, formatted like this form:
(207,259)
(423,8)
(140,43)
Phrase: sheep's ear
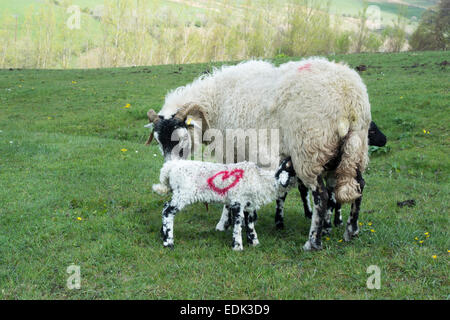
(191,122)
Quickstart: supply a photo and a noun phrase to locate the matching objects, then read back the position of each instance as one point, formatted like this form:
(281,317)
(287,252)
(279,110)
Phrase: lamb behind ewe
(243,187)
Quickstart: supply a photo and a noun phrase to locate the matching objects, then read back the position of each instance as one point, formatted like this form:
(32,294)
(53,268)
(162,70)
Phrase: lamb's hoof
(221,227)
(279,226)
(311,246)
(238,248)
(169,246)
(254,243)
(350,234)
(337,223)
(326,231)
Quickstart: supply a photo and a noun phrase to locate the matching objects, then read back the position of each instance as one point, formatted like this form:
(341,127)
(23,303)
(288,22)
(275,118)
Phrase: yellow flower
(361,223)
(327,238)
(434,256)
(340,240)
(74,82)
(127,105)
(371,230)
(79,218)
(448,251)
(424,131)
(416,238)
(421,241)
(426,233)
(124,150)
(369,224)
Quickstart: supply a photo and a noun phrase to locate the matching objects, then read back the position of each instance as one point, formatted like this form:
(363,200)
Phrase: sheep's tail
(354,156)
(162,188)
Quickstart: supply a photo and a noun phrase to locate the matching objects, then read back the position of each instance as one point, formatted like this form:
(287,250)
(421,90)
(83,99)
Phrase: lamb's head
(173,133)
(376,137)
(285,175)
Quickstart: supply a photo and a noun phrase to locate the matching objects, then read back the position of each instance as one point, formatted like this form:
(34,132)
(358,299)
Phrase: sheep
(376,138)
(320,108)
(243,187)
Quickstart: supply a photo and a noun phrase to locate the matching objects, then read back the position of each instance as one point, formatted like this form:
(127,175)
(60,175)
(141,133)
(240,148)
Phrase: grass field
(70,195)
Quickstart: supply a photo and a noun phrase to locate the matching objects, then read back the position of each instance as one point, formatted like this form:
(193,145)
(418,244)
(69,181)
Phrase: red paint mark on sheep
(236,173)
(305,67)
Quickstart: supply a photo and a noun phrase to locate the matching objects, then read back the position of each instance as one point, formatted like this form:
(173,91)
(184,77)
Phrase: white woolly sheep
(321,109)
(243,187)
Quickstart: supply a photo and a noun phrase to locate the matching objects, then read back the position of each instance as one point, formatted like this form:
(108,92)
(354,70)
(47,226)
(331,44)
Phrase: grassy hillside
(71,194)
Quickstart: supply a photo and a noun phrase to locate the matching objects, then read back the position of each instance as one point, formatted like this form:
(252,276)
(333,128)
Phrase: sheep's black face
(173,138)
(285,172)
(376,137)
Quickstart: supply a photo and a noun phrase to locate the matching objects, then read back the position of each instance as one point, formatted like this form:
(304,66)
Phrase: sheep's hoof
(220,227)
(311,246)
(238,248)
(254,243)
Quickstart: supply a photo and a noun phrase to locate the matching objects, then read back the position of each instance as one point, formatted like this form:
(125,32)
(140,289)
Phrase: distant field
(75,188)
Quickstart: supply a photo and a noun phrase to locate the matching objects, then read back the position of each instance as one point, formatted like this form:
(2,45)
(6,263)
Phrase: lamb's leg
(279,214)
(305,199)
(238,218)
(168,215)
(225,219)
(352,228)
(337,214)
(330,208)
(320,196)
(250,219)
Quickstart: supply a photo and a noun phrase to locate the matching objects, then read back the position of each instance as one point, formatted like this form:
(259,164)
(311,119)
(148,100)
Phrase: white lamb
(243,187)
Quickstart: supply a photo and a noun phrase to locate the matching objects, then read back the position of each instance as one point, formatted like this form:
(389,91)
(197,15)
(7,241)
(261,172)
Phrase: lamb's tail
(354,157)
(162,188)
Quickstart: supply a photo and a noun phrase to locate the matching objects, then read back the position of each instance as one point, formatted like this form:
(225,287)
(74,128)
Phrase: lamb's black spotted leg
(250,219)
(352,228)
(279,214)
(225,220)
(320,196)
(330,208)
(238,218)
(168,215)
(337,214)
(304,195)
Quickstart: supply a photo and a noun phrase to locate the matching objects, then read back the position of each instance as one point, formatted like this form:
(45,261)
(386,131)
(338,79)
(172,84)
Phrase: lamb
(376,138)
(243,187)
(320,108)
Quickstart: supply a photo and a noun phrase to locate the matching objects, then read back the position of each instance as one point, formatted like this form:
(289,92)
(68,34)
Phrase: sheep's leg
(279,214)
(250,219)
(238,218)
(305,199)
(168,215)
(225,219)
(320,196)
(352,228)
(330,208)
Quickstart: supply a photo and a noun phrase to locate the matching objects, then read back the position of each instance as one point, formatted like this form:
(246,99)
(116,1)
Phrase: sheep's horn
(152,118)
(186,109)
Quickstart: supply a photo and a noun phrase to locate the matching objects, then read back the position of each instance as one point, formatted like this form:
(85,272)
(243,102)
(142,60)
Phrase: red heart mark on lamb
(236,173)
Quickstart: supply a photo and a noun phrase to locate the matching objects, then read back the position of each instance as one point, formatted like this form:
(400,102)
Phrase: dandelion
(340,240)
(448,251)
(327,239)
(434,256)
(361,224)
(124,150)
(369,224)
(127,106)
(416,238)
(79,218)
(74,82)
(426,233)
(421,241)
(372,230)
